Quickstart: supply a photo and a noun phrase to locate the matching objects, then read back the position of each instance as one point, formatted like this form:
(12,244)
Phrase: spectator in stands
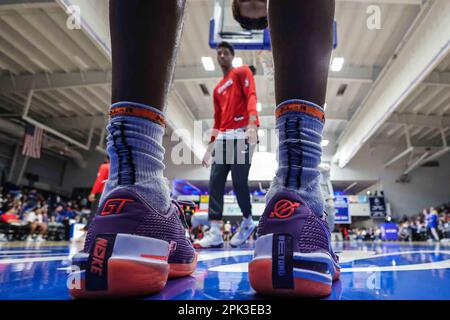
(405,231)
(39,226)
(9,215)
(227,231)
(63,216)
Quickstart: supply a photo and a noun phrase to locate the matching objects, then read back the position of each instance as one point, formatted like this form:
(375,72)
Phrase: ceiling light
(208,64)
(259,106)
(337,64)
(324,143)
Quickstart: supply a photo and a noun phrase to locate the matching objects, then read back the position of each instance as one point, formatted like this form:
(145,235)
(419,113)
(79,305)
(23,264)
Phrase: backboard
(223,27)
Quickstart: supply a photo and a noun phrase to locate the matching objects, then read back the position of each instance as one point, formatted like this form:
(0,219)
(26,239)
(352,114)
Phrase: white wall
(49,169)
(76,177)
(6,154)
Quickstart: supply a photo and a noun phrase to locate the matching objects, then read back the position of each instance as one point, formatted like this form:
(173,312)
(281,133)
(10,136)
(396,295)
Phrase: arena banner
(377,207)
(342,214)
(389,231)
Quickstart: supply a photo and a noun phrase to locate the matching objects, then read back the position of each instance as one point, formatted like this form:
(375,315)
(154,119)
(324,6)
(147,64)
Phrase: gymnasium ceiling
(68,72)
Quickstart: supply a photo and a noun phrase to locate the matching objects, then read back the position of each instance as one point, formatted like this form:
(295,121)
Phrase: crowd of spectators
(29,214)
(433,224)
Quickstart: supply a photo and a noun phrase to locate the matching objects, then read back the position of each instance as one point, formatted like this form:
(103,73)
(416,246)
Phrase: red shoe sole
(178,270)
(135,279)
(138,266)
(260,274)
(128,279)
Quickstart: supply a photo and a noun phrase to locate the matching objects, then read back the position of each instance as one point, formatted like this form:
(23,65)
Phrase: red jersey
(7,217)
(102,176)
(235,100)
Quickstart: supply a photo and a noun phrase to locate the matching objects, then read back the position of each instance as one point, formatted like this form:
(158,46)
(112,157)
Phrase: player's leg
(41,231)
(435,234)
(239,175)
(137,240)
(219,172)
(33,227)
(293,229)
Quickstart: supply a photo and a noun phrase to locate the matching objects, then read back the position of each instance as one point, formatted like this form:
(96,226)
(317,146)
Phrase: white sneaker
(213,238)
(30,238)
(39,238)
(245,231)
(200,218)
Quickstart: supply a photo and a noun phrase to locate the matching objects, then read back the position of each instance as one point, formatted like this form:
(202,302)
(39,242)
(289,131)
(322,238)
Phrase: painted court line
(27,260)
(22,251)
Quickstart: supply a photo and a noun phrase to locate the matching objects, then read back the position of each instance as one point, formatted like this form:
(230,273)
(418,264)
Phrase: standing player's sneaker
(245,231)
(293,254)
(131,249)
(213,238)
(200,218)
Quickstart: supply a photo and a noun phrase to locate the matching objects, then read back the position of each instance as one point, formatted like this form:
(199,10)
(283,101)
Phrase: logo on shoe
(284,209)
(98,256)
(114,206)
(281,260)
(172,246)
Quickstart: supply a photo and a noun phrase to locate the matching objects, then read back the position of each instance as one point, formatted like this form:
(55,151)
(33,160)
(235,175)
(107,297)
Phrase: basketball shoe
(293,254)
(243,234)
(213,238)
(131,249)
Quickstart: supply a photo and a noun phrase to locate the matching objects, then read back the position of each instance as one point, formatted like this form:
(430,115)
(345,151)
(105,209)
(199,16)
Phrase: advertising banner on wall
(377,207)
(342,214)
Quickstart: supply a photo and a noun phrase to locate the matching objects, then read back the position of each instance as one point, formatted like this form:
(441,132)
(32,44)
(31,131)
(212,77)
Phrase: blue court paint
(369,271)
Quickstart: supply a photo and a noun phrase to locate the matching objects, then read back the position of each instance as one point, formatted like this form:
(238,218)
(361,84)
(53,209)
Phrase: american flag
(32,142)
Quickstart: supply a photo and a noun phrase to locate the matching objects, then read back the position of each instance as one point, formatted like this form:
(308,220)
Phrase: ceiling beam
(81,123)
(419,55)
(364,74)
(419,120)
(18,4)
(52,81)
(438,79)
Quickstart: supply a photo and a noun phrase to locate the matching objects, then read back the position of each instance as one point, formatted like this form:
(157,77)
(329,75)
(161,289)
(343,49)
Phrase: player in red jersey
(99,184)
(231,147)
